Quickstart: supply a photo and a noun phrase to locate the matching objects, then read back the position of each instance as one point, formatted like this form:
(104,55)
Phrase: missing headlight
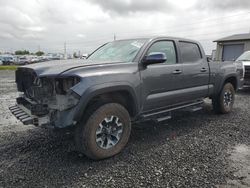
(41,88)
(64,84)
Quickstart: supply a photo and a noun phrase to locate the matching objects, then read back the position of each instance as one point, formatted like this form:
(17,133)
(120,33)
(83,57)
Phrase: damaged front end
(45,101)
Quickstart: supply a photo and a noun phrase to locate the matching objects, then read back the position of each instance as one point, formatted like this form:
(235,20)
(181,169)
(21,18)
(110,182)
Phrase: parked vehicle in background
(1,63)
(23,61)
(53,56)
(84,56)
(34,60)
(43,58)
(121,82)
(7,59)
(245,59)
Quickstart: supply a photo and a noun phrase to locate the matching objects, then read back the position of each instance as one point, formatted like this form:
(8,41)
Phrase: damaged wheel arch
(106,89)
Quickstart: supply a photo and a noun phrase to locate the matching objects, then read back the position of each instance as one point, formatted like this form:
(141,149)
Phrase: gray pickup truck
(122,82)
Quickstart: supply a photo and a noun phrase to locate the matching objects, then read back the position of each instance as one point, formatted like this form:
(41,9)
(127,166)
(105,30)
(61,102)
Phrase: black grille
(247,72)
(35,109)
(24,79)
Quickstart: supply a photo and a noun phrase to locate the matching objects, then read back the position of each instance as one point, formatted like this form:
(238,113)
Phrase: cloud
(133,6)
(224,4)
(81,35)
(19,21)
(14,16)
(86,24)
(33,28)
(6,36)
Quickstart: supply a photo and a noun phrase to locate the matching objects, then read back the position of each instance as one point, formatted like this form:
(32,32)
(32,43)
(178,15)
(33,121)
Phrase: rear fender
(222,82)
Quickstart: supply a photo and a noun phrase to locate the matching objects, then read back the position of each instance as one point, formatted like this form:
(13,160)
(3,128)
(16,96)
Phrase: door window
(190,52)
(166,47)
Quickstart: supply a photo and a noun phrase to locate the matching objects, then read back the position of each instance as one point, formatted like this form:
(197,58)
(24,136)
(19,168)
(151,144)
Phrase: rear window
(190,52)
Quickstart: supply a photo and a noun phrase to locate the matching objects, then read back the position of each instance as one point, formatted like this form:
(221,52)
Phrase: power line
(165,30)
(193,23)
(65,51)
(168,29)
(160,33)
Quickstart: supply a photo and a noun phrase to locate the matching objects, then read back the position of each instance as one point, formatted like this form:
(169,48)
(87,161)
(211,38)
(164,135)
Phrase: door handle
(177,72)
(203,69)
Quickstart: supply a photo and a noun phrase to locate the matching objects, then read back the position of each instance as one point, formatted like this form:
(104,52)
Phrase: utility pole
(39,49)
(114,36)
(65,51)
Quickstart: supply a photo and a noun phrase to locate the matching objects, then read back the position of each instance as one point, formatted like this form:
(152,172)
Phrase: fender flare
(99,89)
(224,79)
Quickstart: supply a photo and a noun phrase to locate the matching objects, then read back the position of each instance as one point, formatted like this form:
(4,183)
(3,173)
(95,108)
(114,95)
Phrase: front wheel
(104,132)
(223,103)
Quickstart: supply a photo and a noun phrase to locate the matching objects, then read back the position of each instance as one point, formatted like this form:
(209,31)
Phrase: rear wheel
(223,103)
(104,131)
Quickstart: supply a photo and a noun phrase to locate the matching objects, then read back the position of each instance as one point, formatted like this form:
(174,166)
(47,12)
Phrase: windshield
(244,57)
(120,51)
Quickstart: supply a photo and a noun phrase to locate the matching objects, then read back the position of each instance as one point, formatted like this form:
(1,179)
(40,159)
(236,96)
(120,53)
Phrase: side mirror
(154,58)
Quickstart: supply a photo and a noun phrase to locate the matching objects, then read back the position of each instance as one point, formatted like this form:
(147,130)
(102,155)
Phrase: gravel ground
(198,149)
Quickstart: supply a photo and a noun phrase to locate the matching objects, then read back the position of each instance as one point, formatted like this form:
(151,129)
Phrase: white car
(245,59)
(1,63)
(23,61)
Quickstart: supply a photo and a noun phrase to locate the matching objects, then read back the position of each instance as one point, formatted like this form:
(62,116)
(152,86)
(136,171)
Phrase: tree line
(26,52)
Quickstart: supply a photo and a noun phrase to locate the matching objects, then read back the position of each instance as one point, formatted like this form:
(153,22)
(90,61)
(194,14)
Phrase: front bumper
(25,116)
(29,112)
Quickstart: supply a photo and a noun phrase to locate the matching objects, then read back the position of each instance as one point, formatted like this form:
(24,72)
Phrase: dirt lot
(191,150)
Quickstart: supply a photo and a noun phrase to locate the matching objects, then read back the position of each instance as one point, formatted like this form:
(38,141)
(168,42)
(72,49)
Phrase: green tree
(75,55)
(39,53)
(22,52)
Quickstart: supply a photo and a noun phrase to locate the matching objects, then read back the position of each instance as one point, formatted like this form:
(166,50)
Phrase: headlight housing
(63,85)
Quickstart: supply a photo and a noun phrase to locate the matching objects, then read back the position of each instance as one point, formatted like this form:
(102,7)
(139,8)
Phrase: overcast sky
(85,24)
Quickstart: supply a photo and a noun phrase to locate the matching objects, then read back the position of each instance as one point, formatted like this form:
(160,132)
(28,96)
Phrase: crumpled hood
(52,68)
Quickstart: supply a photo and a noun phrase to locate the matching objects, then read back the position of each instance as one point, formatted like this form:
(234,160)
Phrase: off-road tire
(85,133)
(219,103)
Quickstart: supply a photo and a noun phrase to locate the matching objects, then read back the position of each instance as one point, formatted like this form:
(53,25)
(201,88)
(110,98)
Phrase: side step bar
(193,109)
(164,118)
(190,107)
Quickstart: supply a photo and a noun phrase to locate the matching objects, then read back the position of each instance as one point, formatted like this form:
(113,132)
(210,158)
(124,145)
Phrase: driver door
(162,81)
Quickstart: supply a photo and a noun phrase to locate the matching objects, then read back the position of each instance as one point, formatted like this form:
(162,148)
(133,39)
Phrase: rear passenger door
(195,70)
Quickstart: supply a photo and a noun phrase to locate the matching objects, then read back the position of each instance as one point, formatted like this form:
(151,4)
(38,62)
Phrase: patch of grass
(8,67)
